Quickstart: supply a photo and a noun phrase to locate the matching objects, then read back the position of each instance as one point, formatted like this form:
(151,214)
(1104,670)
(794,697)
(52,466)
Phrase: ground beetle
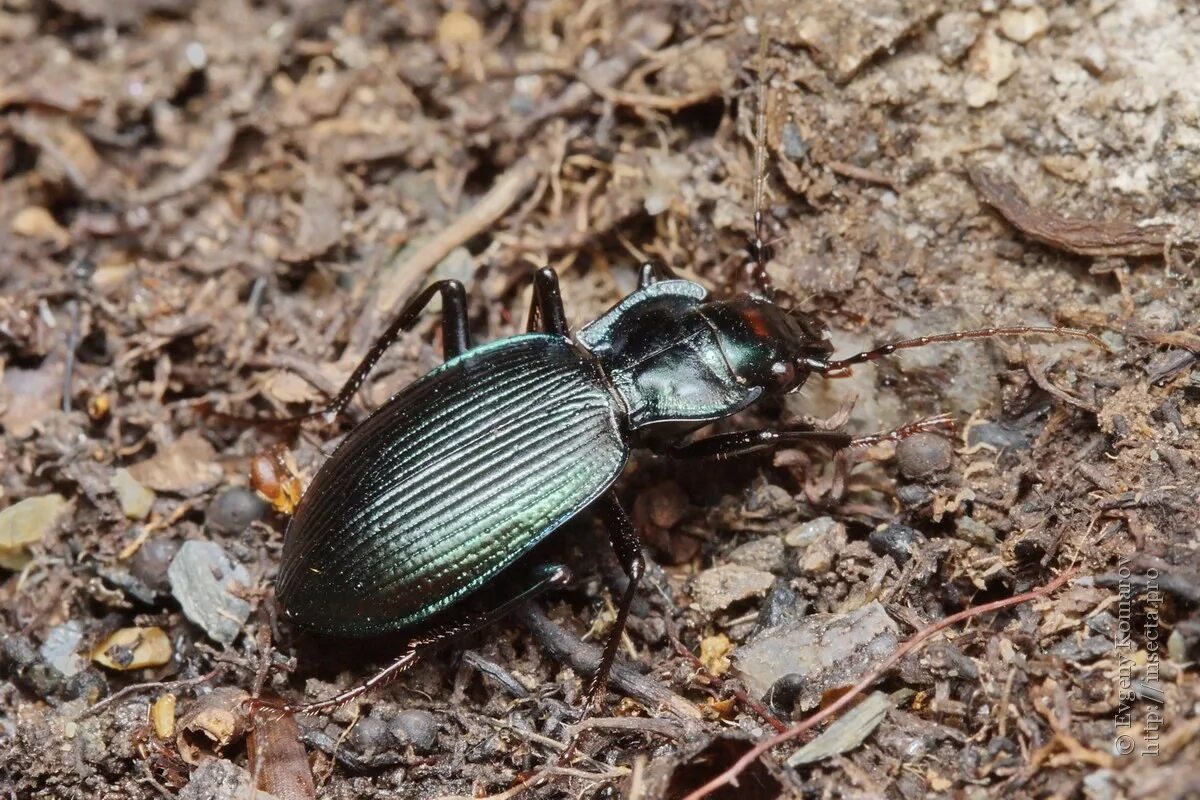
(442,490)
(450,482)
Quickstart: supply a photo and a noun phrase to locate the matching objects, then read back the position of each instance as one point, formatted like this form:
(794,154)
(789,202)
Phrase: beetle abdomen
(448,483)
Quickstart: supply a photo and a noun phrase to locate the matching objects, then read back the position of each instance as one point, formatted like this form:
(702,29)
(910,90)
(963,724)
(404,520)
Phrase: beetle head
(767,345)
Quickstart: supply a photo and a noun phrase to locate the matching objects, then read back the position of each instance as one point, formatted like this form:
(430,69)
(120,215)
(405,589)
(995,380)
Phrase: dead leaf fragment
(851,729)
(278,758)
(133,648)
(186,467)
(35,222)
(27,523)
(28,396)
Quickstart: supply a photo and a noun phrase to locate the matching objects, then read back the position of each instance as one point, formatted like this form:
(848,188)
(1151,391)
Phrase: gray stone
(203,579)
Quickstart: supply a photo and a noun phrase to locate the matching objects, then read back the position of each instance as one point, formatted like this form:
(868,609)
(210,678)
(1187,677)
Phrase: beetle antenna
(759,247)
(837,368)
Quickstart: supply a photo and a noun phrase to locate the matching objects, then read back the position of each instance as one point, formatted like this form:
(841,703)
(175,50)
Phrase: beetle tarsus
(941,423)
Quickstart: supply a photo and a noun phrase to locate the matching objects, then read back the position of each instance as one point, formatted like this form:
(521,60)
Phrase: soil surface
(218,206)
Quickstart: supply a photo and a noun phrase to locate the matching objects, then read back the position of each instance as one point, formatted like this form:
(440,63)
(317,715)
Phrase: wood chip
(1082,237)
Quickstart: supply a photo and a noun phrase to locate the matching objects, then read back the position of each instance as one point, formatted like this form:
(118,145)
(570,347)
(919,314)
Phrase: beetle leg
(546,310)
(737,443)
(654,271)
(545,576)
(456,340)
(629,552)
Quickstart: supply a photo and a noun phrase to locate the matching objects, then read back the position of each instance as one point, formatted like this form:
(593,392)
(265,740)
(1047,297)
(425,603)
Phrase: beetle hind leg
(544,577)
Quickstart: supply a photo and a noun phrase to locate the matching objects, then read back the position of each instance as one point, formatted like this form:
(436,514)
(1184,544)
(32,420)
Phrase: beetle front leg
(628,547)
(739,443)
(546,312)
(541,578)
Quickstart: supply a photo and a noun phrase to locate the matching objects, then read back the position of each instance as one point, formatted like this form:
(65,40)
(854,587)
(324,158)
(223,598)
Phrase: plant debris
(1084,237)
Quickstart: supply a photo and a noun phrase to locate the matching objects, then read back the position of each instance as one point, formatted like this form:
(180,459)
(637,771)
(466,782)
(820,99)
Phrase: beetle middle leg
(628,547)
(546,312)
(541,577)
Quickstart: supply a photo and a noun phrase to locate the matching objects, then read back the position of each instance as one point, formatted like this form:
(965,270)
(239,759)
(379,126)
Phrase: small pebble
(458,27)
(806,533)
(996,435)
(663,505)
(821,552)
(898,541)
(87,685)
(133,648)
(25,524)
(234,509)
(61,647)
(35,222)
(204,580)
(416,727)
(150,563)
(913,495)
(714,653)
(720,587)
(1022,24)
(766,554)
(20,660)
(134,498)
(370,735)
(923,454)
(956,32)
(780,606)
(972,530)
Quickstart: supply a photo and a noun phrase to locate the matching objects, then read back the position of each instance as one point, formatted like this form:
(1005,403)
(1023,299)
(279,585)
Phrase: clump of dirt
(220,205)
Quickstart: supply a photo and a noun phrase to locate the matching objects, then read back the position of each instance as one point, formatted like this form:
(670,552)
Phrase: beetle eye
(784,373)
